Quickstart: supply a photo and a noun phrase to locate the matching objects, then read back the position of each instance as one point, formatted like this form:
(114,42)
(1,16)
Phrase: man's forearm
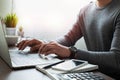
(108,59)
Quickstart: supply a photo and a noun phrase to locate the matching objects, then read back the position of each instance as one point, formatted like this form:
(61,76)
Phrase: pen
(48,66)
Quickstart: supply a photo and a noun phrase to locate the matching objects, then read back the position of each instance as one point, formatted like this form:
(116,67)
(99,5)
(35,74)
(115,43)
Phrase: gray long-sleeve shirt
(100,28)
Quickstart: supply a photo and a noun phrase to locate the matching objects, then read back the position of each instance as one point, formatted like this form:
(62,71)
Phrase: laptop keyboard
(20,58)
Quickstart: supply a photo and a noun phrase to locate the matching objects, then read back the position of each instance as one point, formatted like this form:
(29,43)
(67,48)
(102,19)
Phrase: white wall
(5,7)
(45,19)
(81,44)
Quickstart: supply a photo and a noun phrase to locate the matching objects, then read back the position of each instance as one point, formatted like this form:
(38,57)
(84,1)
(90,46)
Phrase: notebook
(17,60)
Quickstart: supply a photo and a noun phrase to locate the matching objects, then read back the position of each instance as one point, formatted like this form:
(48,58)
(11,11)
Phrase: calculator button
(81,76)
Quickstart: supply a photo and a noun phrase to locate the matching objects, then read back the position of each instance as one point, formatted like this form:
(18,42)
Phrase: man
(99,24)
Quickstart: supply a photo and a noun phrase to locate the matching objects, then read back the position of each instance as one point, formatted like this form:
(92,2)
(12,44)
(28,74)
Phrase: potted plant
(11,21)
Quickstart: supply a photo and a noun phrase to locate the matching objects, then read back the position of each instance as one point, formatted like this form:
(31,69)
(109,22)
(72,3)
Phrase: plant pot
(10,31)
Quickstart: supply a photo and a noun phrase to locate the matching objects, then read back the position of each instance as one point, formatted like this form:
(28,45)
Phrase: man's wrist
(73,51)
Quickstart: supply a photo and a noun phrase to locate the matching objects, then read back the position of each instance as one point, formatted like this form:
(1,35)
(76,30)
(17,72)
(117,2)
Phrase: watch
(73,51)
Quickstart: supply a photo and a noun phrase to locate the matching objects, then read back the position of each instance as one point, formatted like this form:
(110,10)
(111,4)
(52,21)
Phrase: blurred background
(45,19)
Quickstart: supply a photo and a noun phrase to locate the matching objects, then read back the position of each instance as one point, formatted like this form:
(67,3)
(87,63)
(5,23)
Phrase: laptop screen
(4,52)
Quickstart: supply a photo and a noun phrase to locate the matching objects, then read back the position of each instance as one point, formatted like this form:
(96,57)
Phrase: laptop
(17,60)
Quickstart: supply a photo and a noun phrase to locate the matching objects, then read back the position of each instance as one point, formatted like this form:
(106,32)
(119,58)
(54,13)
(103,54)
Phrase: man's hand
(34,44)
(54,47)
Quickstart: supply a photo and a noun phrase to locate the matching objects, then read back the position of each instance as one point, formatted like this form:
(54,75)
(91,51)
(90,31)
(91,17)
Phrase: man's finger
(49,52)
(45,48)
(21,44)
(34,48)
(18,44)
(27,43)
(41,48)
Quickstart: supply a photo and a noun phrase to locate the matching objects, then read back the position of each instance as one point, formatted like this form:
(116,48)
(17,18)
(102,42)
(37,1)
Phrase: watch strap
(73,51)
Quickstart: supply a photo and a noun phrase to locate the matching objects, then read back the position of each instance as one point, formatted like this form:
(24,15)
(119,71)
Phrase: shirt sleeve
(73,35)
(107,60)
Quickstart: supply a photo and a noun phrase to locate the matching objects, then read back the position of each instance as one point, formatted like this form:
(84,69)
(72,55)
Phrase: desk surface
(26,74)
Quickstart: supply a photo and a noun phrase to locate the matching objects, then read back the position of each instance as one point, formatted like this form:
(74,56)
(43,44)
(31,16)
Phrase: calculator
(80,76)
